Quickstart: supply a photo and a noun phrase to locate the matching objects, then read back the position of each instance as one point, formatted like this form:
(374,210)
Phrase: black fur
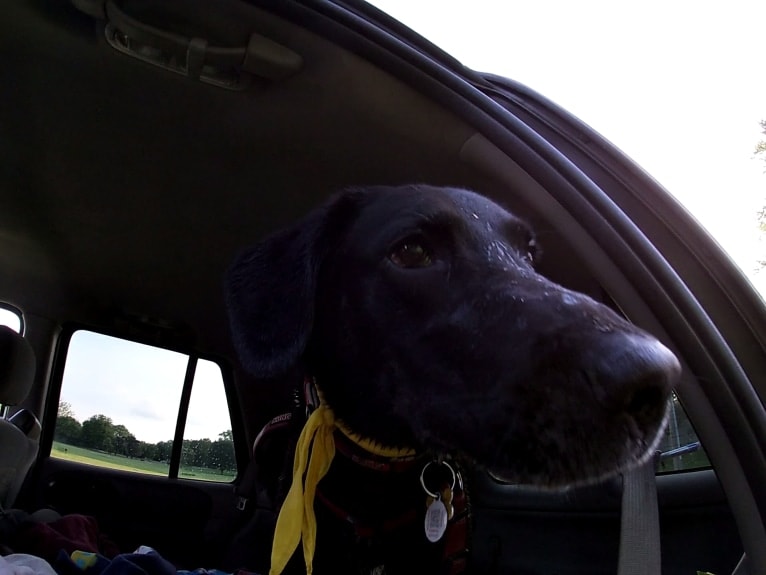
(474,355)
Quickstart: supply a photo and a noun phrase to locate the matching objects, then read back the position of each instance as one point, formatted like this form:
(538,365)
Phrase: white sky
(679,85)
(139,386)
(9,318)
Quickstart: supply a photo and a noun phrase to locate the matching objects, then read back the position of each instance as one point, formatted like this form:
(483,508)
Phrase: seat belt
(640,552)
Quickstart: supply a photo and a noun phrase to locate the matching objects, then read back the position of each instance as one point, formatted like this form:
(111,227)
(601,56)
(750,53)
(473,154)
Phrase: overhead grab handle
(196,57)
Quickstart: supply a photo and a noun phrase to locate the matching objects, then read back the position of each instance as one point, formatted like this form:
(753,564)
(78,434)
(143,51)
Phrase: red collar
(368,460)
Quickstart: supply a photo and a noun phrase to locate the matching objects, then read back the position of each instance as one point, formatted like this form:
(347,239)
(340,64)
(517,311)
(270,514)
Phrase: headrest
(17,367)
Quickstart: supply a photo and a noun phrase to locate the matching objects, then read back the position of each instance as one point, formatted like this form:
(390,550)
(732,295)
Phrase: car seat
(19,433)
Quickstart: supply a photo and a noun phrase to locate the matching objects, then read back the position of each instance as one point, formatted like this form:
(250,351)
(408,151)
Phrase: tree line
(100,433)
(760,152)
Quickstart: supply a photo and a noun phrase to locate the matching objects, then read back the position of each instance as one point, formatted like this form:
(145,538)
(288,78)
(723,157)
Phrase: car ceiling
(127,189)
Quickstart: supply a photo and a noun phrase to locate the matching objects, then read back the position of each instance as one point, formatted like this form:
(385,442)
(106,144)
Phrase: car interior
(145,143)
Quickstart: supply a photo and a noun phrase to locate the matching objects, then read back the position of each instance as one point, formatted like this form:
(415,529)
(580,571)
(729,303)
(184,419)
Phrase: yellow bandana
(313,456)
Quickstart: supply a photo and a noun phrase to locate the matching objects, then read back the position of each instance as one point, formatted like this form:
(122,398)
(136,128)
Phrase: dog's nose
(644,372)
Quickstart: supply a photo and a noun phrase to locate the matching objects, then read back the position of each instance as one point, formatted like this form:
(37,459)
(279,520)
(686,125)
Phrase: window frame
(241,451)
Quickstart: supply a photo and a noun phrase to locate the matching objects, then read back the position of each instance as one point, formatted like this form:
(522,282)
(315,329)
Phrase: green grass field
(99,459)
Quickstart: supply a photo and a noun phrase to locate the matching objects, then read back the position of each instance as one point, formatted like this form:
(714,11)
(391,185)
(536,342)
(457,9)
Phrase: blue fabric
(126,564)
(139,564)
(148,563)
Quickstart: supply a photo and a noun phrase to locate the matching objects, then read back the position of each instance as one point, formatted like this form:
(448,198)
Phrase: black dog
(418,312)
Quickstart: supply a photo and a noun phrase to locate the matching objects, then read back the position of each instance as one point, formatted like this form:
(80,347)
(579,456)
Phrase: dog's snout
(643,373)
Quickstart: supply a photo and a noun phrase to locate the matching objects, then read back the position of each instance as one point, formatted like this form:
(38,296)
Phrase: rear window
(121,405)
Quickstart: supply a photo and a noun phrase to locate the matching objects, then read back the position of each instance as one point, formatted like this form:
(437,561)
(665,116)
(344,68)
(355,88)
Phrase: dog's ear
(270,298)
(271,290)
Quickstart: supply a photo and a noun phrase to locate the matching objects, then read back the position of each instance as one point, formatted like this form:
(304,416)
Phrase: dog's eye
(411,253)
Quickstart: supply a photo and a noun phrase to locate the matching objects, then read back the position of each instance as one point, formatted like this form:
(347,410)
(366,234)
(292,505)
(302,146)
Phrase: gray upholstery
(19,434)
(17,367)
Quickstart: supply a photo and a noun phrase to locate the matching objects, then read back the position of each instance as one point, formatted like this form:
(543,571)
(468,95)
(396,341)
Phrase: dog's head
(419,312)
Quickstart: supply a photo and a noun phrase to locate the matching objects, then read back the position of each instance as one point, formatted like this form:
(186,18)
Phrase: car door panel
(577,532)
(185,521)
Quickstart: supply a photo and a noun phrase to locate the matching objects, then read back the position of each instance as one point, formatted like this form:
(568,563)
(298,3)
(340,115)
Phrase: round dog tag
(436,521)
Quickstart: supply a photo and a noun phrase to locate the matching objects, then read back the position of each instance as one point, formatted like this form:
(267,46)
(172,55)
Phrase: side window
(119,408)
(208,451)
(10,318)
(680,449)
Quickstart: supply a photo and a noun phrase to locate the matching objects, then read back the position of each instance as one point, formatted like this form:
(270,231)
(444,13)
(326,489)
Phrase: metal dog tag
(436,520)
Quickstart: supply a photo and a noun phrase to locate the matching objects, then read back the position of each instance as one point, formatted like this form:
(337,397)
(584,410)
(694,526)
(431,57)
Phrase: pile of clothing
(46,543)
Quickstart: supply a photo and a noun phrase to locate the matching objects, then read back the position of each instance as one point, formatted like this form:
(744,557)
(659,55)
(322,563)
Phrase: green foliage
(162,451)
(760,147)
(100,434)
(65,410)
(68,430)
(100,459)
(124,441)
(221,455)
(760,152)
(195,452)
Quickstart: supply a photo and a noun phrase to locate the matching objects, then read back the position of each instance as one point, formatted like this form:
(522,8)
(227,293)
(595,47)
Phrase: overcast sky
(678,85)
(139,386)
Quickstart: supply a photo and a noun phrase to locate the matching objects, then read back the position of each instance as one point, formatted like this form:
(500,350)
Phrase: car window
(704,141)
(119,407)
(680,449)
(208,452)
(10,318)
